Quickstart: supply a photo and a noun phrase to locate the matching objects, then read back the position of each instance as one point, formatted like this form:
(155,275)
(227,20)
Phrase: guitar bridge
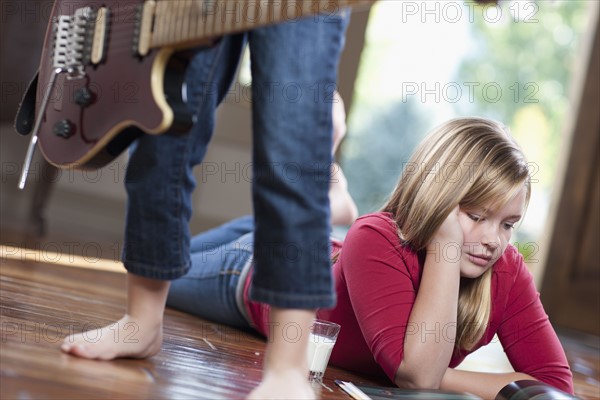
(79,39)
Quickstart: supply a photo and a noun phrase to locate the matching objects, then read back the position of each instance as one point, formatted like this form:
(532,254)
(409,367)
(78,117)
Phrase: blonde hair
(471,162)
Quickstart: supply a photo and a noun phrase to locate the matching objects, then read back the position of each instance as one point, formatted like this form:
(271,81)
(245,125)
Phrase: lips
(479,259)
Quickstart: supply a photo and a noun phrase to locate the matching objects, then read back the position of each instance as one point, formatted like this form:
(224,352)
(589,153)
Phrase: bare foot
(286,384)
(285,369)
(128,337)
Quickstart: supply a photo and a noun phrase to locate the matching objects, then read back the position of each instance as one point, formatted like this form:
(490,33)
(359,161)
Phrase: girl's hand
(450,232)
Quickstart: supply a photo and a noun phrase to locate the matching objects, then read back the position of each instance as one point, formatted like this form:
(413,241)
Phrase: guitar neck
(185,22)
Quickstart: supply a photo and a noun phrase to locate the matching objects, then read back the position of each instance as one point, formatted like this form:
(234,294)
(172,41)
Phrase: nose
(490,237)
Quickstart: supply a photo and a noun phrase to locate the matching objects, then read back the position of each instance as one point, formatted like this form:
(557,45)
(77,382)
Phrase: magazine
(364,392)
(519,390)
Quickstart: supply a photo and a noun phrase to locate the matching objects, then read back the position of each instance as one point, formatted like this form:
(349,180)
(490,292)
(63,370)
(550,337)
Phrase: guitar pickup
(99,40)
(143,28)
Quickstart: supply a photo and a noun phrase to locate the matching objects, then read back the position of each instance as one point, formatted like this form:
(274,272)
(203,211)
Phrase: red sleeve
(380,287)
(527,335)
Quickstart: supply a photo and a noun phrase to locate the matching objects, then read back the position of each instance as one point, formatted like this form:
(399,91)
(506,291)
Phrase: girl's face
(487,234)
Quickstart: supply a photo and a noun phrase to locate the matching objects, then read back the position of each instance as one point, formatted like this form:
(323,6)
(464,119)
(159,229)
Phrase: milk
(319,350)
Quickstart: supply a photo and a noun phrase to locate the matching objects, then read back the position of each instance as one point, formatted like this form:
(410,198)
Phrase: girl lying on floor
(421,284)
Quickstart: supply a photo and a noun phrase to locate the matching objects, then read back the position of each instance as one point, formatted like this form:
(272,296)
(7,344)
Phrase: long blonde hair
(471,162)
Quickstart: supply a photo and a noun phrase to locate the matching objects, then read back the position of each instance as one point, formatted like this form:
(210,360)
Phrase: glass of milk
(323,335)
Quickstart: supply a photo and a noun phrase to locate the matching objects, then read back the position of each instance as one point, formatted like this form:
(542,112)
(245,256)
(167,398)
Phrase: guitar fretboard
(178,22)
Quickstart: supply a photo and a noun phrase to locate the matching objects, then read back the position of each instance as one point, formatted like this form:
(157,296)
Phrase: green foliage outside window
(516,69)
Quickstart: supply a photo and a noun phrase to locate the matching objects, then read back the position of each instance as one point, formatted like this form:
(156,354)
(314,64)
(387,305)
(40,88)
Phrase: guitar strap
(25,117)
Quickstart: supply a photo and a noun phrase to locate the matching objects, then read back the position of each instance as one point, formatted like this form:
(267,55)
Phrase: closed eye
(474,217)
(510,224)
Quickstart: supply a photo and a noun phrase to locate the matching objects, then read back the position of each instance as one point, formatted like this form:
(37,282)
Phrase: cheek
(504,241)
(505,237)
(470,234)
(467,225)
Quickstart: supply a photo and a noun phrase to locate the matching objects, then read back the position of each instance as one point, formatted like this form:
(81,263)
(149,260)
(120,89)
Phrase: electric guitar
(113,69)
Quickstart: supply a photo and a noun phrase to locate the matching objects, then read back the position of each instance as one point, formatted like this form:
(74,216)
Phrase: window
(425,62)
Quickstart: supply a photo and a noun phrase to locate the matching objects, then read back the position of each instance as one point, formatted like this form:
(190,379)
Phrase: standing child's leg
(159,183)
(294,74)
(285,373)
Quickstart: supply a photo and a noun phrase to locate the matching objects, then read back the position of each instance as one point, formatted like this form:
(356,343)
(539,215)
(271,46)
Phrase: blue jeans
(294,70)
(213,287)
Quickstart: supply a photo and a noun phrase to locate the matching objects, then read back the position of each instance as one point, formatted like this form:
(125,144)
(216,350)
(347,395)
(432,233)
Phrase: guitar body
(89,120)
(121,74)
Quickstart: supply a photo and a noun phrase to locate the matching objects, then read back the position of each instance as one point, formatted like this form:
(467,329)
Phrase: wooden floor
(41,302)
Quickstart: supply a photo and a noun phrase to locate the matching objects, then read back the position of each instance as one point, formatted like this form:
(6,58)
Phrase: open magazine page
(364,392)
(519,390)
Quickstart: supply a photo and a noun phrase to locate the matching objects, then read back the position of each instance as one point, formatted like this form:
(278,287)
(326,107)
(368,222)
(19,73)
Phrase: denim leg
(159,179)
(222,234)
(208,290)
(294,73)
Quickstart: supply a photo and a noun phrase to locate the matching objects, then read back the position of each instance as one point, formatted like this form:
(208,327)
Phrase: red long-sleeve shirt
(377,279)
